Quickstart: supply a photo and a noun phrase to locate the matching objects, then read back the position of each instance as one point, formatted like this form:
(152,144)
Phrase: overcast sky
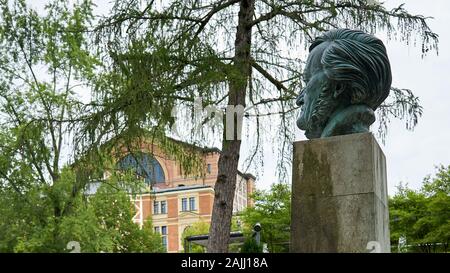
(412,155)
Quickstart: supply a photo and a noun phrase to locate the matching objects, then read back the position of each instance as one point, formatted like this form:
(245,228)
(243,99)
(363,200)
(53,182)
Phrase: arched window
(145,165)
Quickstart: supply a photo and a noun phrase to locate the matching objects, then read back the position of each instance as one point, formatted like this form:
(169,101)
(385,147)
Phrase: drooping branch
(401,104)
(306,17)
(268,76)
(220,6)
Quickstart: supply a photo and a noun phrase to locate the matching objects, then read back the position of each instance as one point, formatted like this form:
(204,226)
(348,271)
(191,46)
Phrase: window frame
(156,208)
(163,232)
(184,205)
(192,204)
(161,207)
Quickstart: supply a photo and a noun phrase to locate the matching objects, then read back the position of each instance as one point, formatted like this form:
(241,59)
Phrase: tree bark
(225,186)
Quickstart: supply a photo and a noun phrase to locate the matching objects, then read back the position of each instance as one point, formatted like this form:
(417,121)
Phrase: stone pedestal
(339,195)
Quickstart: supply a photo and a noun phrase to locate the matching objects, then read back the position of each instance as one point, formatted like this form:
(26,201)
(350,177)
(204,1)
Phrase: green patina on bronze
(347,76)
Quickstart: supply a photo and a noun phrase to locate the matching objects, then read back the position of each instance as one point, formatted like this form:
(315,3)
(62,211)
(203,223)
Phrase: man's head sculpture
(347,77)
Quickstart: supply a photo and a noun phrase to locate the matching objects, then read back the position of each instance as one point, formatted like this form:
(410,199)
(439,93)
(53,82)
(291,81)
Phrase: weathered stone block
(339,195)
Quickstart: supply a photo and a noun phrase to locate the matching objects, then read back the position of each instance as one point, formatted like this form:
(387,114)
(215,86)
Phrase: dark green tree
(45,61)
(273,211)
(113,209)
(102,222)
(421,219)
(251,246)
(199,228)
(230,53)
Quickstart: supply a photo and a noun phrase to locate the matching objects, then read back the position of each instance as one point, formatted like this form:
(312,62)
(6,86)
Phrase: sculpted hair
(358,60)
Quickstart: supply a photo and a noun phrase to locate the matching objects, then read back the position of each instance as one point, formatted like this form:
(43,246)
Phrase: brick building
(175,200)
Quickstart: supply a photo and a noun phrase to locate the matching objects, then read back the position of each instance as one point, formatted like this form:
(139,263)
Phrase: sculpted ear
(339,88)
(358,94)
(352,91)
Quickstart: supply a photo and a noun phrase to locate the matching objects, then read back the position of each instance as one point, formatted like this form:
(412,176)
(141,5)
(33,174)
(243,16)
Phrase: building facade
(176,200)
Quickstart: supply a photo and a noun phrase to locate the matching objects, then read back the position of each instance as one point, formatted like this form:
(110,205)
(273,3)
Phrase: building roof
(93,186)
(180,188)
(204,150)
(246,176)
(195,147)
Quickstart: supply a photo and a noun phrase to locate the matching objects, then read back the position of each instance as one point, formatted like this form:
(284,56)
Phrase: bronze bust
(347,76)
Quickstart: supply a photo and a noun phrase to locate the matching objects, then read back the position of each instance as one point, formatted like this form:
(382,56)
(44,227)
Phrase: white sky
(413,155)
(410,155)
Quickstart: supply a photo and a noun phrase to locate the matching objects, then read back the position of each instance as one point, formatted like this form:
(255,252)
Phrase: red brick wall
(147,206)
(172,205)
(205,203)
(213,159)
(250,190)
(172,238)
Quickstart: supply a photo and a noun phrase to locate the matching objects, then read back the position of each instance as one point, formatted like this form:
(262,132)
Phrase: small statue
(347,76)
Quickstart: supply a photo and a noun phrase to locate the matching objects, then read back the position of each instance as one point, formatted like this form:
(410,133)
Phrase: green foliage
(202,228)
(422,218)
(227,52)
(199,228)
(164,55)
(250,246)
(112,206)
(101,222)
(273,211)
(149,57)
(44,59)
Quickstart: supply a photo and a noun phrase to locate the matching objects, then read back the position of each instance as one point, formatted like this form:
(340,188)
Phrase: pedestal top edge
(338,138)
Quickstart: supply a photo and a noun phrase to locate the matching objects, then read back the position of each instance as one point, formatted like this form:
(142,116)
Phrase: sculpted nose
(300,99)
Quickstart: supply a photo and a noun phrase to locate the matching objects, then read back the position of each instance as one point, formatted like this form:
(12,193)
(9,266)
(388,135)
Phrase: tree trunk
(219,234)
